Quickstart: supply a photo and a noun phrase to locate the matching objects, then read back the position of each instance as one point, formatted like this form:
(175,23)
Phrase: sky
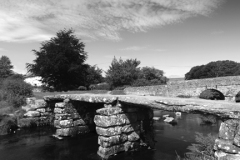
(171,35)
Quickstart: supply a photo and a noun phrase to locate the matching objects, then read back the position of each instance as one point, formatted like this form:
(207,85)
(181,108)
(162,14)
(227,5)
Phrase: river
(37,144)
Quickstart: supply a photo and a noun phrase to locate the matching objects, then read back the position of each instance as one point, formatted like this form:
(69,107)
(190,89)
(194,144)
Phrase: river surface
(38,144)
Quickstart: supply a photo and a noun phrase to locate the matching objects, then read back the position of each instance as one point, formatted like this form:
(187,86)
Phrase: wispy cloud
(37,20)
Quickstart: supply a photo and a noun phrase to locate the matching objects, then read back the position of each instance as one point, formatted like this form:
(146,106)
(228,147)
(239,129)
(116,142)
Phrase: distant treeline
(214,69)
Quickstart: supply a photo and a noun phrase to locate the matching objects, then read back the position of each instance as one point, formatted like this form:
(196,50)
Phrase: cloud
(37,20)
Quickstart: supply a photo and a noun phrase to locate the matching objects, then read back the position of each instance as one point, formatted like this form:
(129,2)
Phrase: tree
(122,73)
(214,69)
(60,62)
(5,67)
(150,76)
(94,75)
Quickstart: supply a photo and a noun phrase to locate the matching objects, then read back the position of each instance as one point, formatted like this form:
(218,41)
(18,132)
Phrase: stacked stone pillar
(69,122)
(122,128)
(227,145)
(38,113)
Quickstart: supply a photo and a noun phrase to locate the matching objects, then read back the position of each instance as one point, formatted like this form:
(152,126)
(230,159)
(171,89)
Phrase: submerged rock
(156,118)
(168,119)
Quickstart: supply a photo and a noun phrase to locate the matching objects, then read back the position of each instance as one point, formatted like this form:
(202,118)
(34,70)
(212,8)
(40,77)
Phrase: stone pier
(123,128)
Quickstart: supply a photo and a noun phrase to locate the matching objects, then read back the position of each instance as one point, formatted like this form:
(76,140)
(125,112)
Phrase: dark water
(39,145)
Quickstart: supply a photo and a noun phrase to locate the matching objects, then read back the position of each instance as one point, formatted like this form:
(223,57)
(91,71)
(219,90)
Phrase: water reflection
(39,145)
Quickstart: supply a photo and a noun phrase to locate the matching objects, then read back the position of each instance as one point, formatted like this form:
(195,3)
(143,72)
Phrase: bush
(204,149)
(237,97)
(145,82)
(184,96)
(208,119)
(82,88)
(7,124)
(212,94)
(102,86)
(15,91)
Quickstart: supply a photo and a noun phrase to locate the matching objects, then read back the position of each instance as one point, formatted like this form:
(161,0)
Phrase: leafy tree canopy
(122,72)
(60,62)
(94,75)
(5,67)
(214,69)
(127,73)
(150,76)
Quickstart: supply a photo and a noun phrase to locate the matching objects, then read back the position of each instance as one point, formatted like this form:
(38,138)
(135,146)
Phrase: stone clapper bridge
(125,122)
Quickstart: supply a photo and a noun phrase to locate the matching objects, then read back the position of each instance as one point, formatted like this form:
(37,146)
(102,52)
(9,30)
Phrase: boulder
(212,94)
(32,114)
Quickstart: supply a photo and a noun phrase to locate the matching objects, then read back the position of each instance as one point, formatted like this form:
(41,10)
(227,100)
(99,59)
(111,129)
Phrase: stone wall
(229,86)
(227,145)
(123,128)
(38,113)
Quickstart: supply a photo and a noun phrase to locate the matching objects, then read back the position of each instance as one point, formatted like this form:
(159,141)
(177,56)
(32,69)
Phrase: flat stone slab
(187,105)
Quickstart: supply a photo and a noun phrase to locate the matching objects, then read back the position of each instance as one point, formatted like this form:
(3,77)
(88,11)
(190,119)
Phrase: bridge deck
(188,105)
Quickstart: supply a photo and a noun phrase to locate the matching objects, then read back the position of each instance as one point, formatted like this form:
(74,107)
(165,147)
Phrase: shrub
(7,124)
(92,87)
(208,119)
(102,86)
(204,149)
(184,96)
(212,94)
(237,97)
(145,82)
(82,88)
(15,91)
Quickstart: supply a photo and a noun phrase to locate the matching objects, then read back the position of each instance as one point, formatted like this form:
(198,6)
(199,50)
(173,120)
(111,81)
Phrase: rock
(165,116)
(111,141)
(228,129)
(59,111)
(226,146)
(113,120)
(156,118)
(168,119)
(60,105)
(109,111)
(225,156)
(117,130)
(212,94)
(32,114)
(134,136)
(79,122)
(41,110)
(178,114)
(30,100)
(107,152)
(57,137)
